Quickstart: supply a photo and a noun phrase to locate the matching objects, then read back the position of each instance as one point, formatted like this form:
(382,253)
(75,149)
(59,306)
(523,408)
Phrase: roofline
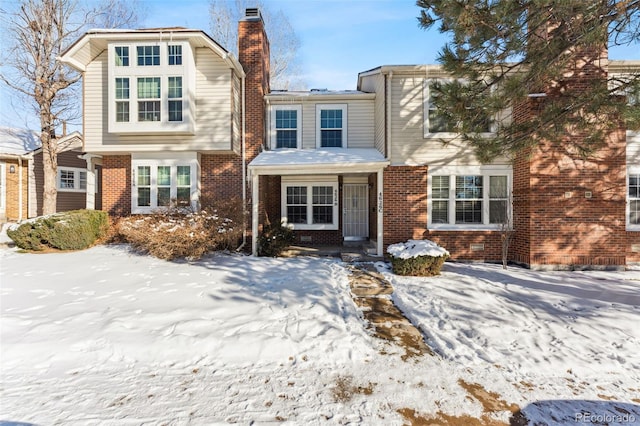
(108,34)
(69,139)
(312,96)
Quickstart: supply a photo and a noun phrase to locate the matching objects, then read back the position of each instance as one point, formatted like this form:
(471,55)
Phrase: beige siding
(376,84)
(633,148)
(213,112)
(236,111)
(360,119)
(408,144)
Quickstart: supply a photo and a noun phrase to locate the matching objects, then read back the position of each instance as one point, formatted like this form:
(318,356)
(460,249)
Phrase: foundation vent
(477,247)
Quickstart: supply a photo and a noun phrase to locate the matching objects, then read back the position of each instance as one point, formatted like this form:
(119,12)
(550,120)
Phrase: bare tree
(39,31)
(283,40)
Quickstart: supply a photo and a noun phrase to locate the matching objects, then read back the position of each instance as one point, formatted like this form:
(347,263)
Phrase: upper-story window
(175,98)
(148,55)
(463,198)
(435,121)
(286,126)
(122,100)
(175,54)
(331,126)
(149,99)
(122,56)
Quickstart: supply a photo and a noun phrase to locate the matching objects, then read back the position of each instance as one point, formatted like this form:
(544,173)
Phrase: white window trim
(310,182)
(154,163)
(345,121)
(186,70)
(449,135)
(3,187)
(76,179)
(631,170)
(485,172)
(273,131)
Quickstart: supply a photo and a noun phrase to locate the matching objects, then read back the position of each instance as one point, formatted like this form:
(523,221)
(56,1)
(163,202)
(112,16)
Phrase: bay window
(469,197)
(310,204)
(149,99)
(162,184)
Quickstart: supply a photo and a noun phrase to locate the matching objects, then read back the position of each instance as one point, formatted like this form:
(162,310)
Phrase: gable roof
(93,42)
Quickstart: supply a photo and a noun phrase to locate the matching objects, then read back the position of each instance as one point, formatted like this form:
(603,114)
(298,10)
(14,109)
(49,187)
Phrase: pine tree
(506,53)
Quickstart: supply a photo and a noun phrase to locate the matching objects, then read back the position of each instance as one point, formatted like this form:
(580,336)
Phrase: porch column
(380,215)
(255,203)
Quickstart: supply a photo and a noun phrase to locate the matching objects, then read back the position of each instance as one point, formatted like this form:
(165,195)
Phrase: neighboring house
(174,118)
(22,178)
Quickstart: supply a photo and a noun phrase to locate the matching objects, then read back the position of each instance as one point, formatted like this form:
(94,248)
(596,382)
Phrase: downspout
(388,100)
(244,170)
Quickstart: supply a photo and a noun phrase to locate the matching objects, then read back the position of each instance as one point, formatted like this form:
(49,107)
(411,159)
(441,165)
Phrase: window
(122,100)
(175,98)
(286,128)
(633,202)
(72,179)
(148,89)
(331,123)
(435,121)
(312,205)
(175,55)
(122,56)
(458,199)
(148,55)
(160,184)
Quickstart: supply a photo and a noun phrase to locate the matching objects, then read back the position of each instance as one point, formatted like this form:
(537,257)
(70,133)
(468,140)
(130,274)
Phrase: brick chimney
(569,211)
(253,54)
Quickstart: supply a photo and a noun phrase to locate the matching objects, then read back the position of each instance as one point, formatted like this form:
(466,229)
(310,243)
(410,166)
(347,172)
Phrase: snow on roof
(320,157)
(18,141)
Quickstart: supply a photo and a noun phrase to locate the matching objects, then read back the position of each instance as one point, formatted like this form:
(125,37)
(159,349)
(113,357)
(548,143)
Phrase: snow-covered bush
(422,258)
(73,230)
(182,233)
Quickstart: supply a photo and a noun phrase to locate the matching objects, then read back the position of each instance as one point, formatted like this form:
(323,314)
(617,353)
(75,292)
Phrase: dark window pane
(286,139)
(322,214)
(297,195)
(149,111)
(183,196)
(297,214)
(498,211)
(164,197)
(468,187)
(322,195)
(331,138)
(439,212)
(175,110)
(440,187)
(634,212)
(144,197)
(469,212)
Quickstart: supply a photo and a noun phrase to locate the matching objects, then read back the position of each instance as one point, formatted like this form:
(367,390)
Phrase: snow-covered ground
(105,336)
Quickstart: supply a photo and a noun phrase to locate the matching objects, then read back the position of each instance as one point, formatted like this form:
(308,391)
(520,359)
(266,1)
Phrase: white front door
(355,206)
(3,191)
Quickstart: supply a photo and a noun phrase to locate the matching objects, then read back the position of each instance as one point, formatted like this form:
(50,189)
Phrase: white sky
(340,38)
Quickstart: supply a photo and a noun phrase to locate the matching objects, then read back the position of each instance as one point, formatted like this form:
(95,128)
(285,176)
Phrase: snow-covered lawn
(105,336)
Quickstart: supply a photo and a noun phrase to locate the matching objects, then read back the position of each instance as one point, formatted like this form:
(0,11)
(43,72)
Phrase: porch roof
(318,161)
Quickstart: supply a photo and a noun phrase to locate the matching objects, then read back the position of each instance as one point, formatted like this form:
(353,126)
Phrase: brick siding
(116,179)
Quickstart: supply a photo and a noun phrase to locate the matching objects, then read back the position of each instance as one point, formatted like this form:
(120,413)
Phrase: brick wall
(485,246)
(12,196)
(405,203)
(116,181)
(220,177)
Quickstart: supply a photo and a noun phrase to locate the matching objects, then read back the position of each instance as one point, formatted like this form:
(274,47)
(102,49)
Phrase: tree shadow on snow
(579,411)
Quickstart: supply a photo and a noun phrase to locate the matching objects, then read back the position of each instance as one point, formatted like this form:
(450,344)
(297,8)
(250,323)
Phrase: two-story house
(171,115)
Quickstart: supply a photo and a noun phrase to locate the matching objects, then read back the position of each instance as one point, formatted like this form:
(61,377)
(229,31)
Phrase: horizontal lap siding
(376,84)
(360,128)
(213,101)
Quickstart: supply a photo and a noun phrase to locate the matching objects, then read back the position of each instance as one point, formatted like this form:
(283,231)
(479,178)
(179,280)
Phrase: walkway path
(372,293)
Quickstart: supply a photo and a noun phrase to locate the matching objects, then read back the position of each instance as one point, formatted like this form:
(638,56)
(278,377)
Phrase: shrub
(274,238)
(422,258)
(73,230)
(182,233)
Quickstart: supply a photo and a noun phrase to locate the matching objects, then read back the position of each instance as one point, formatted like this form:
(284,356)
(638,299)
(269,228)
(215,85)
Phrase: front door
(355,206)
